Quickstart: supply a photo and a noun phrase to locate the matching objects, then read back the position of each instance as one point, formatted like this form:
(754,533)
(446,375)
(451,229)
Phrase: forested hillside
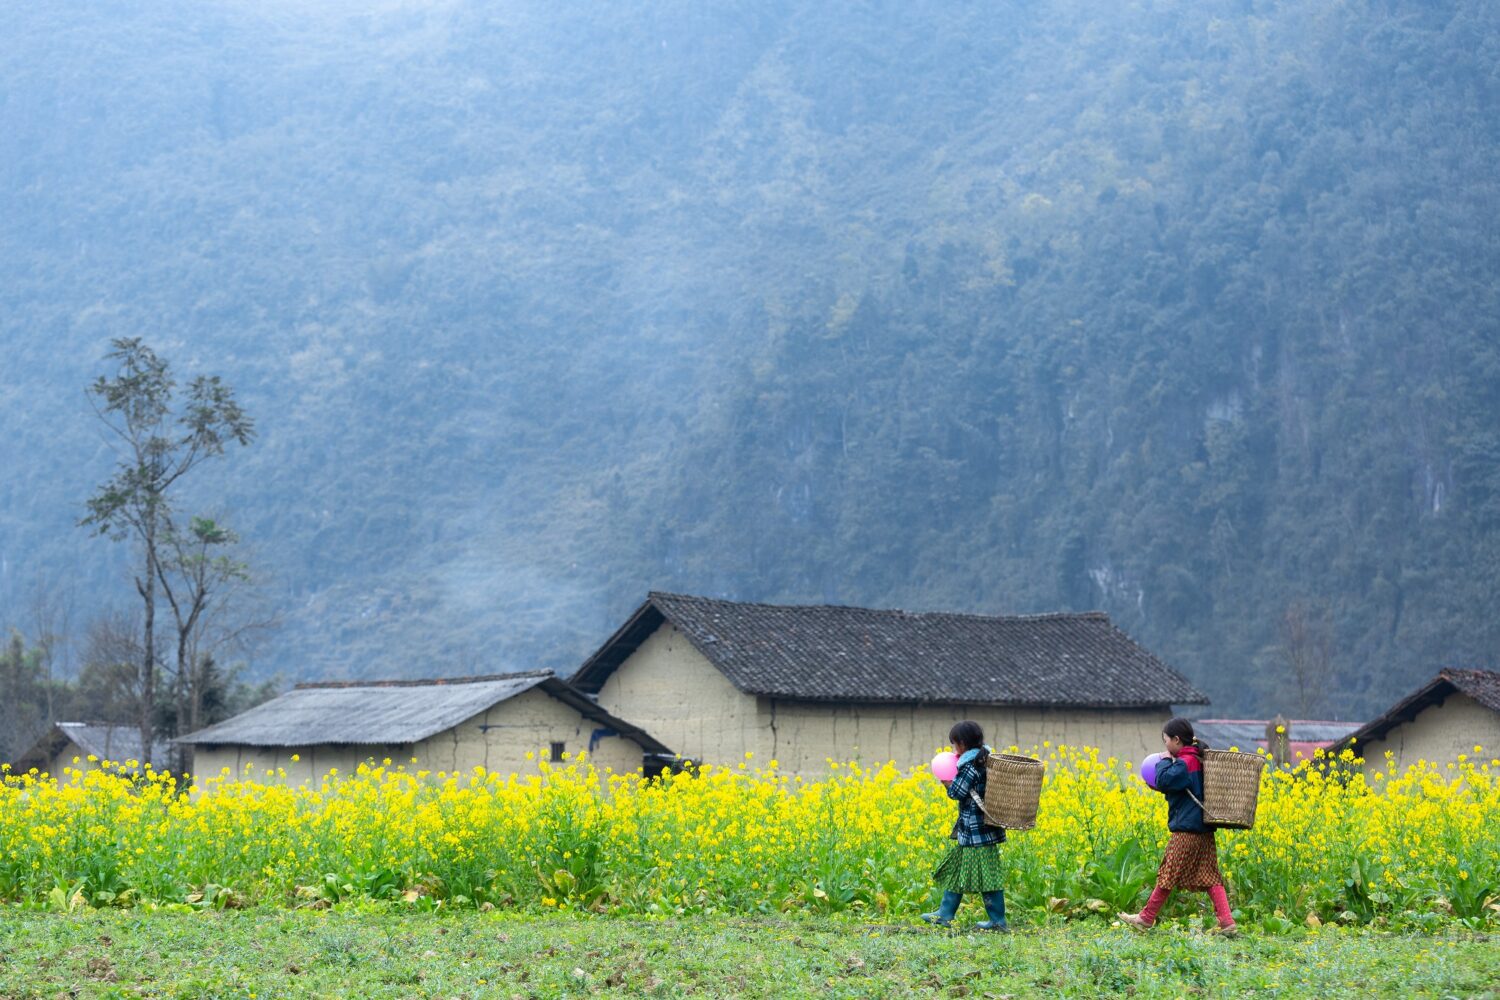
(1182,310)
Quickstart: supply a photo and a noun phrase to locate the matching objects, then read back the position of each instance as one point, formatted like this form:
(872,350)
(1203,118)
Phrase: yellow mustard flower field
(1417,849)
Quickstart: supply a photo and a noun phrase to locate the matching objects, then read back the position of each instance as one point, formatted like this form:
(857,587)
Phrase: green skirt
(970,869)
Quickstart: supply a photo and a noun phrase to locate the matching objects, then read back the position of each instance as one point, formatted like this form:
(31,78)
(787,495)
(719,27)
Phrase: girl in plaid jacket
(973,863)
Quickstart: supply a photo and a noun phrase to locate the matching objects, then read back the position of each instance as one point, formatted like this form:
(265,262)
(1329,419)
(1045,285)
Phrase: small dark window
(557,750)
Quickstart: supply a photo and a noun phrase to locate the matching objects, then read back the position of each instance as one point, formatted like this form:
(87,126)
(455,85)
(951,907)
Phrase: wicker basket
(1231,787)
(1012,790)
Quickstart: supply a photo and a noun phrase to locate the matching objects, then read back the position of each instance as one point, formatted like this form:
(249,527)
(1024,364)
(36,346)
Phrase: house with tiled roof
(449,725)
(64,742)
(1449,715)
(716,679)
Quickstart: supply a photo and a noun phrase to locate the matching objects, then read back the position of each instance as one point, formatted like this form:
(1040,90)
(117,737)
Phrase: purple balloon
(1148,768)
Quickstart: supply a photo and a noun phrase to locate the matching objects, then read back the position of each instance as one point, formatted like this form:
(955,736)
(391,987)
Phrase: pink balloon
(1148,768)
(945,766)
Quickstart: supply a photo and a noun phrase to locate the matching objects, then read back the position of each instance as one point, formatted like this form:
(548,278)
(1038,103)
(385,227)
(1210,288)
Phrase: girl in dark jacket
(1192,858)
(972,864)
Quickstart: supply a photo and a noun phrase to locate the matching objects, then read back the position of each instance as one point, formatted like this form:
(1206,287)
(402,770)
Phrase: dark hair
(969,735)
(1183,730)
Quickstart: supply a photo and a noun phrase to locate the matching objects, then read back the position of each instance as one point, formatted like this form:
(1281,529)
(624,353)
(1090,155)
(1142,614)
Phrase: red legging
(1215,893)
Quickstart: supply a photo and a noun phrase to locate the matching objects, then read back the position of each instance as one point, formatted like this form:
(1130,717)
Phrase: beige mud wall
(1438,734)
(497,739)
(671,691)
(801,736)
(313,763)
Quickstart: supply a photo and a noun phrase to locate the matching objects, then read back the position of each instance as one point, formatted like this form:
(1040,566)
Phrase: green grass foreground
(341,953)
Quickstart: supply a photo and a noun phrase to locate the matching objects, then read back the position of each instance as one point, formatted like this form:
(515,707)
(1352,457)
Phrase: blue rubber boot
(946,909)
(994,908)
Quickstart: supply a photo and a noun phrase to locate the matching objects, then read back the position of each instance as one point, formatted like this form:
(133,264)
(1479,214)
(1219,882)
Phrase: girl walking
(972,864)
(1192,858)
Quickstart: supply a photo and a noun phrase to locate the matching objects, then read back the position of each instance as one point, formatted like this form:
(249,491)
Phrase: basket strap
(1199,801)
(979,802)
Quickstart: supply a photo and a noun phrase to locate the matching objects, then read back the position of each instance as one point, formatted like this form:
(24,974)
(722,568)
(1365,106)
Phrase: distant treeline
(1182,311)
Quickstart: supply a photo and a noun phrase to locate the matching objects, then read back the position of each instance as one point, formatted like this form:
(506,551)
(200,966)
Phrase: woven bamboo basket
(1012,790)
(1231,788)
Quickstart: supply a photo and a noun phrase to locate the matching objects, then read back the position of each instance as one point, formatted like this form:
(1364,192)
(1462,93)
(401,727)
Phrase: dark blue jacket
(1175,780)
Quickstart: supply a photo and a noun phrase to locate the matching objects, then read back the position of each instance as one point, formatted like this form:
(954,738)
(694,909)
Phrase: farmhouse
(55,749)
(717,679)
(1449,715)
(447,725)
(1303,737)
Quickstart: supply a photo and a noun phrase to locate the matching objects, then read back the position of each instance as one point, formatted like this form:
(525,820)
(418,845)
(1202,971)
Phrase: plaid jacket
(971,828)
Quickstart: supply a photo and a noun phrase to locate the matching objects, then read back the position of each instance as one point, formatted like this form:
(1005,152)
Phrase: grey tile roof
(392,713)
(1481,685)
(832,653)
(110,741)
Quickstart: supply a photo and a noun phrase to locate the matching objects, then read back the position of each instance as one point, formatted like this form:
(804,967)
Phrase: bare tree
(51,620)
(207,591)
(1307,651)
(108,680)
(159,447)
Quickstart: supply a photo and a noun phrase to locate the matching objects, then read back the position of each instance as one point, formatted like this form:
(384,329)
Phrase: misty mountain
(1184,311)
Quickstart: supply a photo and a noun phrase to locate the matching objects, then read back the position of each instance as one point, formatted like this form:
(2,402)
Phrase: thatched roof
(1481,685)
(393,713)
(105,740)
(832,653)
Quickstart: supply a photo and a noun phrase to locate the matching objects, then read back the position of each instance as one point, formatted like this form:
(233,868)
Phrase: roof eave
(615,650)
(42,750)
(1406,710)
(569,695)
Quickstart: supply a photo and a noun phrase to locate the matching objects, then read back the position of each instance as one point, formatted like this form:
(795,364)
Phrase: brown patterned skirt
(1191,862)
